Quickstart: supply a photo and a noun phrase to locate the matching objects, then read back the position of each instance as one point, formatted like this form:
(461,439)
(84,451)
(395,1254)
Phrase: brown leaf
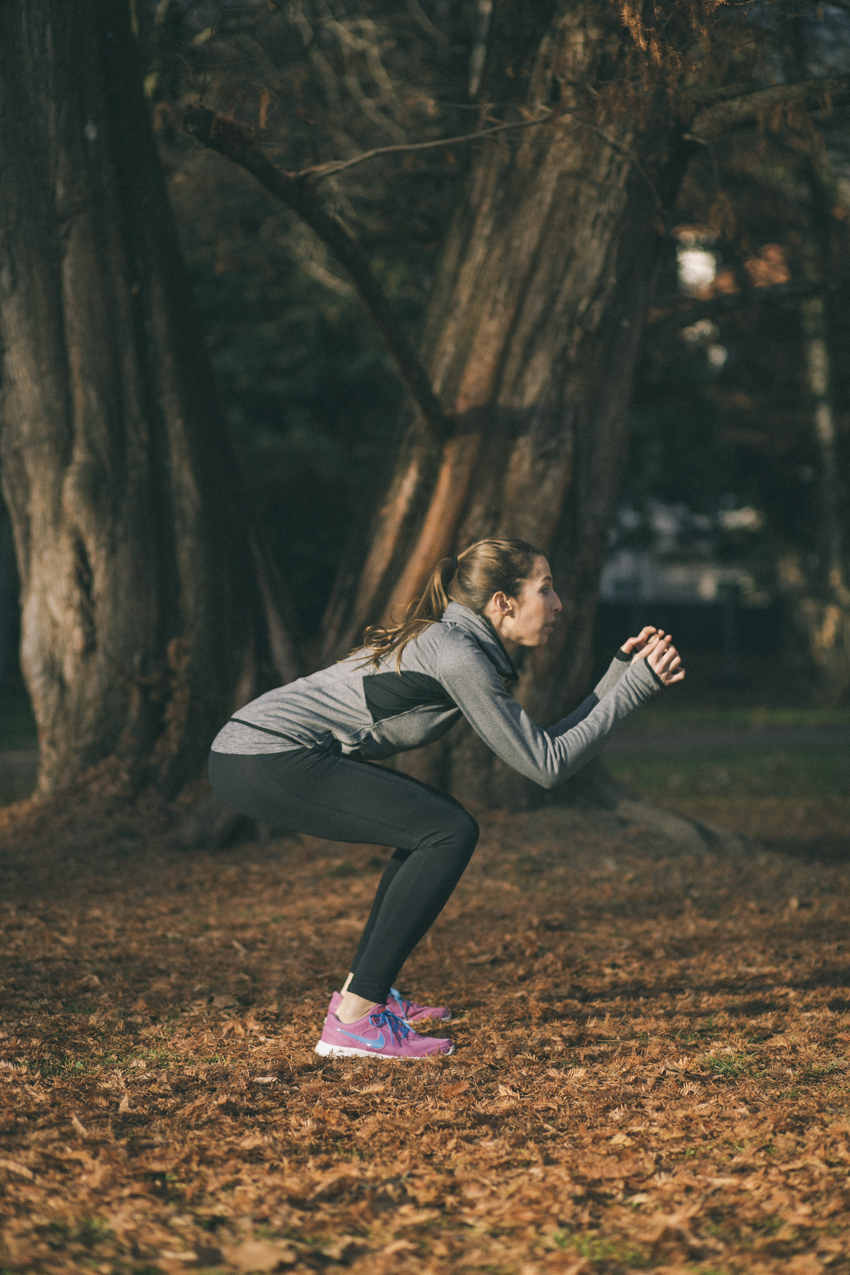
(259,1255)
(398,1246)
(804,1264)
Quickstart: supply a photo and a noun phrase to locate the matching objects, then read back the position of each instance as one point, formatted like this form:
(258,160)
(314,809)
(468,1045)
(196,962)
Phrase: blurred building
(694,575)
(668,553)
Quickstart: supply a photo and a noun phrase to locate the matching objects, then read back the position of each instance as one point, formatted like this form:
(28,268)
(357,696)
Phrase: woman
(298,758)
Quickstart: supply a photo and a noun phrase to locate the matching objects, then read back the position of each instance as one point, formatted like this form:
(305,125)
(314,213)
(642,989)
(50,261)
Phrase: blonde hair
(471,578)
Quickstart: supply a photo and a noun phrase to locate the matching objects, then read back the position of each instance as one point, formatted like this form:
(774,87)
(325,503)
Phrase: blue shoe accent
(381,1018)
(364,1040)
(405,1005)
(398,1041)
(397,1026)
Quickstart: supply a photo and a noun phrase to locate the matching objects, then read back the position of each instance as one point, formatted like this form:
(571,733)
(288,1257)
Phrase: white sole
(348,1051)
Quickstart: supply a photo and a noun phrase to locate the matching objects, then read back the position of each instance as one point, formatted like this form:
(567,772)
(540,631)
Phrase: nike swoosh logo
(364,1040)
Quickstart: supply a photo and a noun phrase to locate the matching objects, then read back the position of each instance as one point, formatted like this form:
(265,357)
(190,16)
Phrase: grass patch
(88,1232)
(62,1063)
(768,774)
(659,714)
(19,729)
(731,1066)
(674,752)
(596,1247)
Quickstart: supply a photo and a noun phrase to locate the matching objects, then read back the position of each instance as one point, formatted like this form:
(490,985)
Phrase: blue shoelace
(405,1005)
(397,1026)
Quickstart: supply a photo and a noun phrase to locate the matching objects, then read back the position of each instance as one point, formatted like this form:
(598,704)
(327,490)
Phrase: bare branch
(237,144)
(337,165)
(818,95)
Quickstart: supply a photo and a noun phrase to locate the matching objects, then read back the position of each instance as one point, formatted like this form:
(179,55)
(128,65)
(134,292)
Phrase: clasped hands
(656,647)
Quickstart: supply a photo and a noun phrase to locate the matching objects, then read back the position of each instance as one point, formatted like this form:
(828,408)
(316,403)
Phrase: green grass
(19,729)
(600,1248)
(769,774)
(89,1232)
(751,751)
(62,1063)
(730,1066)
(679,714)
(787,766)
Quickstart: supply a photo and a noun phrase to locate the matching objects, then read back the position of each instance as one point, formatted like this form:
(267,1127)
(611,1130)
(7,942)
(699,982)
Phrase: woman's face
(529,618)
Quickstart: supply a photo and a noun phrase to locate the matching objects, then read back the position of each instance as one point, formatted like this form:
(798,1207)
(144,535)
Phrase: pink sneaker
(408,1010)
(411,1011)
(381,1034)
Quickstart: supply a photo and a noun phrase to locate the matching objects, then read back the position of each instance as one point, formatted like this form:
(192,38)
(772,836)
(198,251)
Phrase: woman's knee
(471,831)
(460,829)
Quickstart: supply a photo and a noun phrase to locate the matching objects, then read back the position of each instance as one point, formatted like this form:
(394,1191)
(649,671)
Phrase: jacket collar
(480,628)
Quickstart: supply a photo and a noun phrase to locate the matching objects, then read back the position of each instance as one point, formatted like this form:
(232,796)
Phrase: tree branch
(337,165)
(820,95)
(237,144)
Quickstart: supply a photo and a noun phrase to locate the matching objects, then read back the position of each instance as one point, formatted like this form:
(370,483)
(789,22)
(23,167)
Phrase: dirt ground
(651,1067)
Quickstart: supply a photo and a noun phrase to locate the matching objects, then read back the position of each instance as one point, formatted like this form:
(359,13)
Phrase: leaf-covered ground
(652,1066)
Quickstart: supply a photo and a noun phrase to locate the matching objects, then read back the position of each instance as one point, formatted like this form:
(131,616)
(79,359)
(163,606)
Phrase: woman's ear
(502,603)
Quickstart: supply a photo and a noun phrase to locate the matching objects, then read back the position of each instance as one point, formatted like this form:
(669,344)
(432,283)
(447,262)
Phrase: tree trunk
(820,597)
(141,609)
(532,337)
(818,591)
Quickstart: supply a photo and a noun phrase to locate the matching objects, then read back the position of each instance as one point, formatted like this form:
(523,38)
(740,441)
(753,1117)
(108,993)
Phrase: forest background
(294,298)
(386,343)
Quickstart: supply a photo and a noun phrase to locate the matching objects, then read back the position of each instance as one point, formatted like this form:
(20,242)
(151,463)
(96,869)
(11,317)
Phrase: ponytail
(436,598)
(471,578)
(382,641)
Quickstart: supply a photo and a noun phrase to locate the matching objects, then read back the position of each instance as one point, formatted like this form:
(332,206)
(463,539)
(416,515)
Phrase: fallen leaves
(648,1095)
(258,1255)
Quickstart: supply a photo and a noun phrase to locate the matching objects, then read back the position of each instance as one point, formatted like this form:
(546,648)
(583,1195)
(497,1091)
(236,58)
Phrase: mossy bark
(140,602)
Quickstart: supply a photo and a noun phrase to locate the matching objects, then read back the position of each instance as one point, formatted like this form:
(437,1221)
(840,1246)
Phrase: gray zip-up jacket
(456,667)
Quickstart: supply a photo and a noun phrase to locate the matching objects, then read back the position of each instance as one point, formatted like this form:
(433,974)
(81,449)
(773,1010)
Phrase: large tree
(143,613)
(539,306)
(534,328)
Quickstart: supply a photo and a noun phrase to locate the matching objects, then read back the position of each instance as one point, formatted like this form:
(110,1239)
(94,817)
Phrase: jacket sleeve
(606,683)
(612,674)
(548,757)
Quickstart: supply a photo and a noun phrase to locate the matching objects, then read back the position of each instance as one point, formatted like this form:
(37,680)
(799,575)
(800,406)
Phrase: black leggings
(320,793)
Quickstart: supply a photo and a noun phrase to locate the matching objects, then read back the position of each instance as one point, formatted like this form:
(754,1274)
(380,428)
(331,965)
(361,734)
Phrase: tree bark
(141,610)
(819,591)
(531,339)
(820,598)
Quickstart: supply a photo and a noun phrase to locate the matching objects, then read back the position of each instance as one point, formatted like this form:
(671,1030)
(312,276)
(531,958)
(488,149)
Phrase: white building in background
(669,553)
(678,564)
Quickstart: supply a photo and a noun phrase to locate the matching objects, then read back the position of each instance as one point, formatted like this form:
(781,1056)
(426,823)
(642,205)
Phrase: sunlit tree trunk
(140,600)
(532,336)
(820,594)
